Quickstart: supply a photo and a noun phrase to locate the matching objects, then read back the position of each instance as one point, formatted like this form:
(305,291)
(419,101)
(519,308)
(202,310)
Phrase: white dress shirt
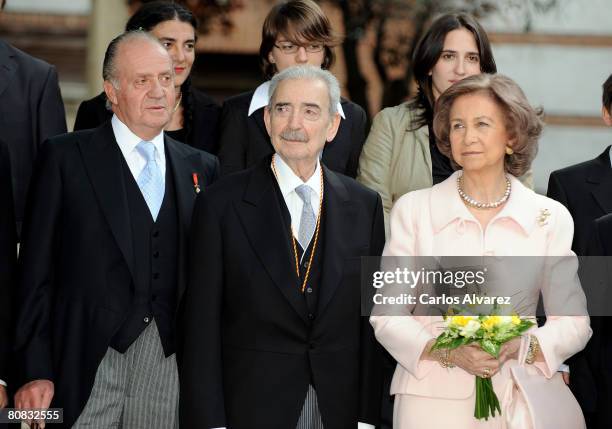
(261,98)
(287,182)
(128,141)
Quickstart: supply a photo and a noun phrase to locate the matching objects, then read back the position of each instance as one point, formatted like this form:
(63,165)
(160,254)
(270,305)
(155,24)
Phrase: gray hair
(311,73)
(109,66)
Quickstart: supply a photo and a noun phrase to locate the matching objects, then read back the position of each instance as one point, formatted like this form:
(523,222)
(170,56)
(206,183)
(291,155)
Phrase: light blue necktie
(308,221)
(150,180)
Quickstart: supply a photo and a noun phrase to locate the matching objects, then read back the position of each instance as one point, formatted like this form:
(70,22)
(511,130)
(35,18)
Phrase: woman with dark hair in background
(400,154)
(294,32)
(195,116)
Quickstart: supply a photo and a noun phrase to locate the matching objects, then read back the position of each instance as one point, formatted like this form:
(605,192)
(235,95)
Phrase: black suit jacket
(204,132)
(244,141)
(8,256)
(600,346)
(585,189)
(31,110)
(249,343)
(77,259)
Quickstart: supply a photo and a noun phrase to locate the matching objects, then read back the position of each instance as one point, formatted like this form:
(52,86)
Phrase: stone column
(107,20)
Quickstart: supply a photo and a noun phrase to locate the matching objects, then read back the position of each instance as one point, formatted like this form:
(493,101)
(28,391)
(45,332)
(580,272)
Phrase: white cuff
(364,426)
(3,383)
(564,368)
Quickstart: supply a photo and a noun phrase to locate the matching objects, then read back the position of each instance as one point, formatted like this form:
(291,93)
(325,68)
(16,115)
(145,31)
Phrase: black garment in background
(244,141)
(250,344)
(8,255)
(31,111)
(585,189)
(77,259)
(600,345)
(178,135)
(204,126)
(441,168)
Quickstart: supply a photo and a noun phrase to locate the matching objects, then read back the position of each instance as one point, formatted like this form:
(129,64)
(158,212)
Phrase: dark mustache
(294,135)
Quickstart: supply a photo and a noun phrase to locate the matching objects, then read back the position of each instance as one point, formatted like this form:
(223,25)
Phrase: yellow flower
(460,320)
(516,320)
(491,321)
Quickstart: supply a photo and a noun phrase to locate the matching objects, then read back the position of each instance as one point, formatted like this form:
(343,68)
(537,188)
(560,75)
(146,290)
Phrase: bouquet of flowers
(490,332)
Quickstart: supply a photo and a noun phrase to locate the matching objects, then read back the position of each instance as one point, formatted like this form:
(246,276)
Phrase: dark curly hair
(146,18)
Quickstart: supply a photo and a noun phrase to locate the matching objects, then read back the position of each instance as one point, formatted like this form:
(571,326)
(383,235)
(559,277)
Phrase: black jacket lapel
(260,212)
(102,159)
(7,67)
(338,212)
(602,178)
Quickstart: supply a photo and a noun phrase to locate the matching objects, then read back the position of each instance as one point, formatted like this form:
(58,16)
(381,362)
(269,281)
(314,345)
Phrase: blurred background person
(585,189)
(195,114)
(294,32)
(31,111)
(487,128)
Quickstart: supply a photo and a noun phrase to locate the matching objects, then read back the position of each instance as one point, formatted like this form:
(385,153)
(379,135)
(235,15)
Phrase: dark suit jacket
(600,346)
(585,189)
(249,341)
(31,110)
(205,117)
(8,258)
(244,141)
(77,260)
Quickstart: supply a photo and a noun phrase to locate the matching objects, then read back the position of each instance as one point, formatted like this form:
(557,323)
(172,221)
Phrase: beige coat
(396,160)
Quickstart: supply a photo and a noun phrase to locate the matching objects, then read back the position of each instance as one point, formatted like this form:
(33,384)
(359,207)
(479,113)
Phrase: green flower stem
(486,399)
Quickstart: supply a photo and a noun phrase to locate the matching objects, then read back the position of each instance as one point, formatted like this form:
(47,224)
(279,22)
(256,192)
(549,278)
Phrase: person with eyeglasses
(295,32)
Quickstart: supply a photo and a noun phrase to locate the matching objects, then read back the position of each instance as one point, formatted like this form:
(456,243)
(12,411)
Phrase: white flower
(469,330)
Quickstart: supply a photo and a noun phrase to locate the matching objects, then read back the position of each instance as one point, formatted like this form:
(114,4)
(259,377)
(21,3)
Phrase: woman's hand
(509,350)
(474,360)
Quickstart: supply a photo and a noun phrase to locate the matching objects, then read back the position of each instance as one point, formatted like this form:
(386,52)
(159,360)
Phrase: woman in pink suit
(486,126)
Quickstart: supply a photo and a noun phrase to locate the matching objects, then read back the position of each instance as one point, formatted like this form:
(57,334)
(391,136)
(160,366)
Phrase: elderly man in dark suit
(31,110)
(272,325)
(8,255)
(103,254)
(586,190)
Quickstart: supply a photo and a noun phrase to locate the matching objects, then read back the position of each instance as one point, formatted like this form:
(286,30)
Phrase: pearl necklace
(477,204)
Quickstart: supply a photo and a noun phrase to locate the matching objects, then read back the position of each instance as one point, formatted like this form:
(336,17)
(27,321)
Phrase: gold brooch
(543,217)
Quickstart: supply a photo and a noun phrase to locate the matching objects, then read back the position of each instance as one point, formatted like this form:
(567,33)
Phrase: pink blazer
(435,222)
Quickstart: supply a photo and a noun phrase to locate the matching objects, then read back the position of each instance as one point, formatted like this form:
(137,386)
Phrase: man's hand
(3,397)
(35,394)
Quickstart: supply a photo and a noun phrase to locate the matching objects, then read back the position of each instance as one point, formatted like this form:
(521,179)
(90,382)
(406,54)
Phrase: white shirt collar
(128,141)
(288,180)
(261,99)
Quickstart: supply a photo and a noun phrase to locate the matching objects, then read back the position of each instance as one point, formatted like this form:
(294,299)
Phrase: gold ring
(486,373)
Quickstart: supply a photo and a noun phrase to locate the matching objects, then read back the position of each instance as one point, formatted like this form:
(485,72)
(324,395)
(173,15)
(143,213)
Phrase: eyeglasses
(292,48)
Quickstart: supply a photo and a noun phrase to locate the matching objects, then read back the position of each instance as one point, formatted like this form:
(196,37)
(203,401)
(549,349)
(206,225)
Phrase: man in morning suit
(8,257)
(31,111)
(586,190)
(103,254)
(273,333)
